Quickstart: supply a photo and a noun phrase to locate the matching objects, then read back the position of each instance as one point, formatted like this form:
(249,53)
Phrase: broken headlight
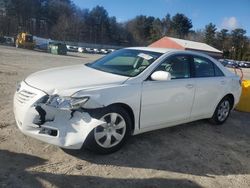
(71,103)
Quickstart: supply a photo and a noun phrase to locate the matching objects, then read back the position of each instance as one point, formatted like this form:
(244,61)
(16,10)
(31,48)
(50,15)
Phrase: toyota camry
(99,105)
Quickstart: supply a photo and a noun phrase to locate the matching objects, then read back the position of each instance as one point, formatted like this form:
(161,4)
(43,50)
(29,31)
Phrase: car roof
(151,49)
(169,50)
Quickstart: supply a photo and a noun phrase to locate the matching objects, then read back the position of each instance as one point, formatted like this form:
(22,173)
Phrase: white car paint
(155,104)
(72,78)
(166,98)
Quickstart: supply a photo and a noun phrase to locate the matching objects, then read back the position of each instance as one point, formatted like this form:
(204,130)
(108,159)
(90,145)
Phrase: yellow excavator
(25,40)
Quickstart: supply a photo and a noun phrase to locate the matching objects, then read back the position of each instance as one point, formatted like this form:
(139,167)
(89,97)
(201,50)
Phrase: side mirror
(161,76)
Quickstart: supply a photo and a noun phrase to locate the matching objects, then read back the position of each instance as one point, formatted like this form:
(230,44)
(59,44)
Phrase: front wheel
(110,137)
(222,111)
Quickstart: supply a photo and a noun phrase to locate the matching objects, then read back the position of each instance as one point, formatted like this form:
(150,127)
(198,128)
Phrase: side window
(178,66)
(203,67)
(218,72)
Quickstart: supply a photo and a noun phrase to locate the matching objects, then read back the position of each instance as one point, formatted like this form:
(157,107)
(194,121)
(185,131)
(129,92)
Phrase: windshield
(126,62)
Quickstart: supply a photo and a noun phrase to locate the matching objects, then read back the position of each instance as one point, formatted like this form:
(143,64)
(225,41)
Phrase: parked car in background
(10,41)
(244,64)
(104,51)
(89,50)
(247,64)
(96,51)
(2,40)
(110,50)
(234,64)
(230,63)
(223,62)
(130,91)
(72,48)
(81,49)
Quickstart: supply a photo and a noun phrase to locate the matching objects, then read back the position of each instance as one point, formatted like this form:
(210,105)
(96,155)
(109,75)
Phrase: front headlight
(71,103)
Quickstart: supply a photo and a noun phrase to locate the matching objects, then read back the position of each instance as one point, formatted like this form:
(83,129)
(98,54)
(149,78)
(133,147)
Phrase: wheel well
(231,98)
(129,110)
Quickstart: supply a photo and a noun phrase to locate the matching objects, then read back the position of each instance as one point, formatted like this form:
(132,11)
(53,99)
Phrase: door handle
(189,86)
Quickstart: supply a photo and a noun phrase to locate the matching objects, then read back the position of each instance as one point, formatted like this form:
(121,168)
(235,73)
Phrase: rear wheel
(110,137)
(222,111)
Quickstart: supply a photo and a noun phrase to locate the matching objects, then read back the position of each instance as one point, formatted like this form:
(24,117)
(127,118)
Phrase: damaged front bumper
(63,128)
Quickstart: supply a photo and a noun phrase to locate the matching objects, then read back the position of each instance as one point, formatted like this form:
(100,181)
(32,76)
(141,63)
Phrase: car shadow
(15,172)
(196,148)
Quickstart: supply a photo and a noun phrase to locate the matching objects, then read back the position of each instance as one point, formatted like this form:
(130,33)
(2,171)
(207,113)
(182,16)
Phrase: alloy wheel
(223,110)
(112,132)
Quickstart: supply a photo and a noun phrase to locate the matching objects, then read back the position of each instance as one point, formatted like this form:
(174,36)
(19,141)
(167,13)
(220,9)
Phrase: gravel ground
(191,155)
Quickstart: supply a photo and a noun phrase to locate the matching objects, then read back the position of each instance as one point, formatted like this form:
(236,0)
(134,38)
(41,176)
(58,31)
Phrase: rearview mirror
(161,76)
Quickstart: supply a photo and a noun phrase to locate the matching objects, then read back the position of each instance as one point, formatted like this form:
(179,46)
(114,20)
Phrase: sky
(228,14)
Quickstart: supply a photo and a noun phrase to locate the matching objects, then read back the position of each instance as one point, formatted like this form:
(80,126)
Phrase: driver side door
(166,103)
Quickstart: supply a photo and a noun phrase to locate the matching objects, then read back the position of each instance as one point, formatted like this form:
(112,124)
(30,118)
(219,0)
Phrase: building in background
(169,42)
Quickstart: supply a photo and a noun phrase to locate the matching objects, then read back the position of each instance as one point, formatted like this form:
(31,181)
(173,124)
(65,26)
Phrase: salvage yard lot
(191,155)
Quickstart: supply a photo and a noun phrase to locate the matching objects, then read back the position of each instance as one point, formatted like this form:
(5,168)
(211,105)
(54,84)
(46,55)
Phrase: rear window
(218,72)
(206,68)
(203,67)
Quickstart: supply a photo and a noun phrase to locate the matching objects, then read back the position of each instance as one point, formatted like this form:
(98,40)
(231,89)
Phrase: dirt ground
(191,155)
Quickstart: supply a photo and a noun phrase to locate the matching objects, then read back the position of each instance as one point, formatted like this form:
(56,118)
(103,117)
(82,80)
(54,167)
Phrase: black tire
(91,143)
(217,119)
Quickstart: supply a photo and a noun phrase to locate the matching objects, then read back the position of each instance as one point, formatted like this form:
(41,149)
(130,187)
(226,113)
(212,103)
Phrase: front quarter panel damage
(72,127)
(128,94)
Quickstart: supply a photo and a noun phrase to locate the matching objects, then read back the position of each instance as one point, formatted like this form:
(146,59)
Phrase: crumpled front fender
(63,128)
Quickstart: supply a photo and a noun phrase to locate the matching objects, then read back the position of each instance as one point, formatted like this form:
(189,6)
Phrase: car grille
(24,96)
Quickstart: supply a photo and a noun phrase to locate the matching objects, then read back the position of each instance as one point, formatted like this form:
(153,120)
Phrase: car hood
(73,77)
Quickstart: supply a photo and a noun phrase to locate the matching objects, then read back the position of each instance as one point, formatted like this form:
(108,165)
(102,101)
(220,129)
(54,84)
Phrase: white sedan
(130,91)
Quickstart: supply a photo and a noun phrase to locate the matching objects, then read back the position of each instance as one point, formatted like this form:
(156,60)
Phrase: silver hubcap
(223,110)
(111,133)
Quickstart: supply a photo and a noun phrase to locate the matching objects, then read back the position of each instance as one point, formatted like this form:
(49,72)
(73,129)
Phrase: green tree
(63,20)
(140,28)
(99,19)
(210,31)
(156,30)
(56,11)
(166,23)
(197,35)
(221,39)
(22,14)
(239,43)
(180,25)
(223,42)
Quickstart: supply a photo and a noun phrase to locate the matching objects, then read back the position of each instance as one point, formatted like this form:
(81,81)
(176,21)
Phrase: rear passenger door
(209,81)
